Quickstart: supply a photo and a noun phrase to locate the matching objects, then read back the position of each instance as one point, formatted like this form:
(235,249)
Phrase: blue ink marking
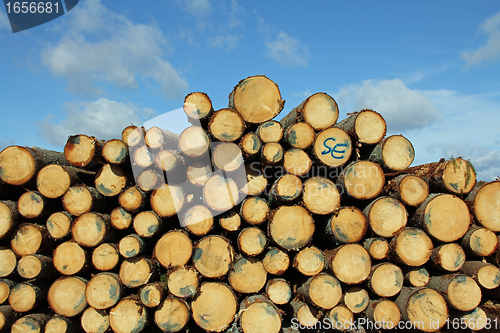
(335,149)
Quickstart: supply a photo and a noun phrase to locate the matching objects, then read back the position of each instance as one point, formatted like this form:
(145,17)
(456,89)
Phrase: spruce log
(80,199)
(31,238)
(105,257)
(131,246)
(5,286)
(322,290)
(214,318)
(33,205)
(448,257)
(133,136)
(142,157)
(153,294)
(377,247)
(291,227)
(252,241)
(54,180)
(198,107)
(366,127)
(299,135)
(128,316)
(270,131)
(385,279)
(460,291)
(362,180)
(169,161)
(309,261)
(386,216)
(115,151)
(138,271)
(104,290)
(226,125)
(120,219)
(167,200)
(20,165)
(198,220)
(194,142)
(213,256)
(256,180)
(297,162)
(276,261)
(332,147)
(94,321)
(149,179)
(411,247)
(475,320)
(227,156)
(347,225)
(286,189)
(394,153)
(83,151)
(444,217)
(9,261)
(409,189)
(254,210)
(59,224)
(7,317)
(28,295)
(9,218)
(279,291)
(69,258)
(257,99)
(35,266)
(158,138)
(32,323)
(479,242)
(383,314)
(486,275)
(183,282)
(350,263)
(484,201)
(91,229)
(230,221)
(320,196)
(319,110)
(198,173)
(60,324)
(172,315)
(247,275)
(173,249)
(110,180)
(272,154)
(416,277)
(306,315)
(147,224)
(340,318)
(132,199)
(220,193)
(258,314)
(250,145)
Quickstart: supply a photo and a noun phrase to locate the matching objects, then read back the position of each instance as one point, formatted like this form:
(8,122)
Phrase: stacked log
(242,223)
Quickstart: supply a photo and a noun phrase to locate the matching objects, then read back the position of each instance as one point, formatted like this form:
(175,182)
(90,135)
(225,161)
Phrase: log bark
(70,258)
(487,276)
(183,282)
(366,127)
(226,125)
(460,291)
(172,315)
(254,210)
(252,241)
(319,110)
(104,290)
(361,180)
(5,286)
(347,225)
(173,249)
(247,276)
(332,147)
(115,151)
(276,261)
(279,291)
(385,280)
(7,317)
(35,266)
(83,151)
(386,216)
(80,199)
(259,315)
(394,153)
(410,190)
(300,135)
(9,218)
(479,242)
(350,263)
(105,257)
(28,295)
(128,316)
(198,107)
(321,290)
(411,247)
(448,257)
(309,261)
(483,202)
(213,256)
(34,323)
(291,227)
(59,225)
(95,321)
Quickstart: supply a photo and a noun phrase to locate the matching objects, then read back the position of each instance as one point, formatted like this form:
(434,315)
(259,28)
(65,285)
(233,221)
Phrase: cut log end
(197,105)
(172,315)
(129,315)
(320,196)
(226,125)
(173,249)
(213,256)
(66,296)
(394,153)
(291,227)
(386,216)
(276,261)
(297,162)
(485,203)
(349,225)
(247,276)
(183,282)
(362,180)
(350,263)
(214,318)
(411,247)
(309,261)
(332,147)
(300,135)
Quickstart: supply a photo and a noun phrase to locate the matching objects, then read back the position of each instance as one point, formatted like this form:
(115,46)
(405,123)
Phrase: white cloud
(227,42)
(4,22)
(105,119)
(490,51)
(288,51)
(102,46)
(196,7)
(402,107)
(234,21)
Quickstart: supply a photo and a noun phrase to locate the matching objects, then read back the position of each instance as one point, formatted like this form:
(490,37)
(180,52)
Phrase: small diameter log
(319,110)
(54,180)
(322,290)
(198,106)
(115,152)
(26,296)
(33,205)
(129,315)
(460,291)
(220,193)
(110,180)
(173,249)
(9,218)
(35,266)
(214,318)
(198,220)
(59,225)
(226,125)
(183,282)
(158,138)
(90,229)
(120,219)
(445,217)
(424,308)
(276,261)
(227,157)
(252,241)
(297,162)
(142,157)
(147,224)
(169,161)
(411,247)
(132,199)
(486,275)
(83,151)
(254,210)
(306,315)
(213,256)
(385,280)
(484,201)
(104,290)
(94,321)
(409,189)
(131,246)
(194,142)
(9,262)
(149,180)
(291,227)
(386,216)
(198,173)
(5,287)
(309,261)
(340,317)
(362,180)
(167,200)
(60,324)
(377,247)
(272,154)
(279,291)
(69,258)
(256,181)
(367,127)
(20,165)
(250,145)
(350,263)
(230,221)
(383,313)
(137,271)
(416,277)
(257,99)
(299,135)
(347,225)
(448,257)
(270,131)
(133,136)
(7,317)
(286,189)
(32,323)
(320,196)
(247,275)
(31,238)
(259,315)
(332,147)
(394,153)
(172,315)
(153,294)
(479,242)
(105,257)
(81,199)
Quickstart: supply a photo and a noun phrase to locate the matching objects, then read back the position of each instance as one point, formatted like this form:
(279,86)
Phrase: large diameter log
(254,210)
(80,199)
(153,294)
(247,276)
(32,323)
(350,263)
(444,217)
(383,314)
(486,275)
(322,290)
(362,180)
(31,238)
(110,180)
(276,261)
(66,296)
(115,151)
(386,216)
(69,258)
(291,227)
(409,189)
(319,110)
(83,151)
(460,291)
(479,242)
(394,153)
(35,266)
(226,125)
(172,315)
(220,193)
(332,147)
(105,257)
(198,106)
(128,316)
(448,257)
(183,282)
(348,225)
(54,180)
(367,127)
(411,247)
(424,308)
(213,256)
(59,224)
(94,321)
(484,201)
(300,135)
(385,280)
(259,315)
(104,290)
(309,261)
(214,318)
(20,165)
(279,291)
(173,249)
(26,296)
(167,200)
(137,271)
(9,218)
(9,262)
(257,99)
(320,196)
(33,205)
(91,229)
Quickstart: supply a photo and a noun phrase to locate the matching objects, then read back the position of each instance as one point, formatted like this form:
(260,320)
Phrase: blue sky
(431,68)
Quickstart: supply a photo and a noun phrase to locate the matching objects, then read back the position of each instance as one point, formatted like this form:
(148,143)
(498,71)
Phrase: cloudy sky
(431,68)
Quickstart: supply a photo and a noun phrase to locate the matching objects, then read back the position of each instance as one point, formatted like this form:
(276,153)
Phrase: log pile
(242,223)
